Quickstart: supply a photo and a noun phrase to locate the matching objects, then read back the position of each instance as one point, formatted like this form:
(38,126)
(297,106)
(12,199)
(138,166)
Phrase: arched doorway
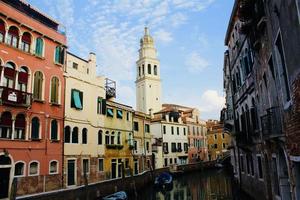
(5,174)
(283,176)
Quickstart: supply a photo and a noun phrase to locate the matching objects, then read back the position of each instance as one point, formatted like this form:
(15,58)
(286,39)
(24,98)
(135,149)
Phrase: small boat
(116,196)
(164,179)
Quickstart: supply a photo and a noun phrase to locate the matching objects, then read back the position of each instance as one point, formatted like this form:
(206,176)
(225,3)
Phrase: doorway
(71,173)
(5,172)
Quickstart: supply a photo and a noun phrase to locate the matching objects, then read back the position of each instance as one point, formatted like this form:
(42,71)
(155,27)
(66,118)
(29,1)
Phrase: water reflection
(208,185)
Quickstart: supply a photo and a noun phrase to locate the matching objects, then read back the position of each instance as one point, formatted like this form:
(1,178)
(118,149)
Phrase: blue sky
(189,36)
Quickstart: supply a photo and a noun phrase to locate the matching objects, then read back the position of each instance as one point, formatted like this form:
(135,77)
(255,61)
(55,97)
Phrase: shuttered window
(54,90)
(38,85)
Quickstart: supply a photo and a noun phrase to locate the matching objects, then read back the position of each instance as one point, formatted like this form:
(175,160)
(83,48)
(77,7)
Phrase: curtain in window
(54,130)
(35,128)
(38,85)
(77,99)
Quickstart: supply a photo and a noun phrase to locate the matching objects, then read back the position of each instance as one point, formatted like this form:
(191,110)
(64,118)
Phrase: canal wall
(100,189)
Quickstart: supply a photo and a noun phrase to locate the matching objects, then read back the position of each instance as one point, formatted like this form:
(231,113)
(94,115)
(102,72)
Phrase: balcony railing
(271,123)
(110,88)
(14,97)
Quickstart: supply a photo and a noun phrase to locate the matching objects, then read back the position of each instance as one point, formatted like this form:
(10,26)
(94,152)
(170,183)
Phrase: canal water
(206,185)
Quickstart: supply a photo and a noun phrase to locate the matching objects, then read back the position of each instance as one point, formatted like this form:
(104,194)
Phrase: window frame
(38,168)
(57,167)
(82,164)
(99,164)
(57,130)
(24,169)
(73,104)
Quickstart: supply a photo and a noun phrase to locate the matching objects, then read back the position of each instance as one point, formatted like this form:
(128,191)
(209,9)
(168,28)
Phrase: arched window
(26,42)
(9,75)
(38,86)
(54,90)
(20,125)
(23,79)
(6,125)
(2,31)
(13,36)
(155,70)
(112,138)
(139,71)
(19,169)
(106,137)
(35,128)
(100,137)
(75,135)
(54,130)
(130,139)
(34,168)
(39,47)
(67,134)
(149,69)
(59,55)
(119,138)
(53,167)
(84,136)
(143,69)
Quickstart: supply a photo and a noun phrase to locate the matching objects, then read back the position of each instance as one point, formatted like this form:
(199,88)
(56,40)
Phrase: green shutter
(57,54)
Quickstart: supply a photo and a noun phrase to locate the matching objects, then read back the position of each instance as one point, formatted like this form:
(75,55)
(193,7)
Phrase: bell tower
(148,83)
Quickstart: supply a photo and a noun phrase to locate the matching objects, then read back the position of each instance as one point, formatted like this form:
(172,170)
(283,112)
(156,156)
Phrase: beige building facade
(84,121)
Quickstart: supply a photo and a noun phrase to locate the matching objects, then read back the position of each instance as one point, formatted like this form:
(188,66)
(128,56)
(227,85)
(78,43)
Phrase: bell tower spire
(148,83)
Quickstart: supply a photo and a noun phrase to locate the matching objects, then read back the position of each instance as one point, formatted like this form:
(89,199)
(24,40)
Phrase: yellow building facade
(118,140)
(142,148)
(218,141)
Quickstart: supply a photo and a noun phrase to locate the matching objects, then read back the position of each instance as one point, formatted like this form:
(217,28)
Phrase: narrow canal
(205,185)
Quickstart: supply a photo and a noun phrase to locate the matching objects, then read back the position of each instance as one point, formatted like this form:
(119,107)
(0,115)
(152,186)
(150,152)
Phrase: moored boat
(164,179)
(116,196)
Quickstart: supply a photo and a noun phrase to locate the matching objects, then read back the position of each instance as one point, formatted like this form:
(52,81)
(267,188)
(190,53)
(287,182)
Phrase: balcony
(272,124)
(114,146)
(14,97)
(110,88)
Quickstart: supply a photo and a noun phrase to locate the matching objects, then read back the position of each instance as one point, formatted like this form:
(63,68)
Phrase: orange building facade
(31,100)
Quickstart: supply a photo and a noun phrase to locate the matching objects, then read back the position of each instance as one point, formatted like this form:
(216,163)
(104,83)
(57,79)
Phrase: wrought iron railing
(14,97)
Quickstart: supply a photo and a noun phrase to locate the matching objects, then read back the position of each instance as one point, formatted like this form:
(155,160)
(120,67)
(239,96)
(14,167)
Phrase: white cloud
(196,63)
(125,95)
(211,101)
(178,19)
(163,36)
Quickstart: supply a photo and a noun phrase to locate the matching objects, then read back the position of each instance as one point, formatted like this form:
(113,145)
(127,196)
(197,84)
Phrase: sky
(188,34)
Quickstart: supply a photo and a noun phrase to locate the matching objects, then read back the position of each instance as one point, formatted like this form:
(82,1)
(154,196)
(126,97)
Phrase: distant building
(261,81)
(218,141)
(85,110)
(148,83)
(32,59)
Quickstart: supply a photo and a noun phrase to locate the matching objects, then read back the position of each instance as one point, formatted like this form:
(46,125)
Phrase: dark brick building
(261,80)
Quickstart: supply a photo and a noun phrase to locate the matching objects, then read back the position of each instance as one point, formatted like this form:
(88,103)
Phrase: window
(216,136)
(165,147)
(2,31)
(23,79)
(25,42)
(172,130)
(171,161)
(119,114)
(59,55)
(20,125)
(143,69)
(75,65)
(186,146)
(9,75)
(215,146)
(19,169)
(75,135)
(177,130)
(54,90)
(33,168)
(282,69)
(223,145)
(38,86)
(136,126)
(53,167)
(119,138)
(106,137)
(223,135)
(259,165)
(242,162)
(76,99)
(112,138)
(179,147)
(149,69)
(84,136)
(101,106)
(166,162)
(139,71)
(155,70)
(67,134)
(54,130)
(135,145)
(193,130)
(127,116)
(173,147)
(39,47)
(100,137)
(184,131)
(35,128)
(147,146)
(248,163)
(85,166)
(100,165)
(147,128)
(110,112)
(12,37)
(164,129)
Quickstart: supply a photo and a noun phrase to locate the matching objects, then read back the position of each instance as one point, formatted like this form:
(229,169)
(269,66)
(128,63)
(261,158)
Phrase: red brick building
(31,100)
